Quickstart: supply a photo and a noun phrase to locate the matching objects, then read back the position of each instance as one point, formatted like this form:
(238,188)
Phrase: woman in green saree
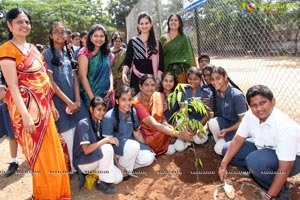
(119,53)
(177,48)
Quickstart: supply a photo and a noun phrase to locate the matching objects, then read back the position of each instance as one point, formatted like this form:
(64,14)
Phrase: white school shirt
(278,132)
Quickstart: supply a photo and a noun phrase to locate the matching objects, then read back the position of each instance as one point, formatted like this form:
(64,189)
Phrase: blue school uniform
(125,129)
(6,127)
(202,93)
(84,134)
(63,77)
(229,108)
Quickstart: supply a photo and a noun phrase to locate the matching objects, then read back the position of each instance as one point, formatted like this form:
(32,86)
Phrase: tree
(118,10)
(77,15)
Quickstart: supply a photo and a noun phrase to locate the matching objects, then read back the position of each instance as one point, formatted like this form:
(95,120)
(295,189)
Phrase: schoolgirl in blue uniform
(194,89)
(122,122)
(63,76)
(93,152)
(228,107)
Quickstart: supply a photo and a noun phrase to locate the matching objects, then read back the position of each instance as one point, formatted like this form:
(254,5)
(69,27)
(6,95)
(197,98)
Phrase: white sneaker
(181,145)
(199,140)
(171,149)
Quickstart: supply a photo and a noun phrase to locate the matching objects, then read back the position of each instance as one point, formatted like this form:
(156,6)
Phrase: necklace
(145,100)
(24,48)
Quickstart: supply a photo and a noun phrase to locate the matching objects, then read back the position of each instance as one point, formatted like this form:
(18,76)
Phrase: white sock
(14,160)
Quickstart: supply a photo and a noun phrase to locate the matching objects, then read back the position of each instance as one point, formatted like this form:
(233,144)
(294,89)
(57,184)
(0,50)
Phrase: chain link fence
(260,47)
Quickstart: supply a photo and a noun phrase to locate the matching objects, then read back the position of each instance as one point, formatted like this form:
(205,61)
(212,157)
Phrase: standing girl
(144,54)
(64,80)
(30,105)
(122,122)
(94,62)
(228,107)
(93,152)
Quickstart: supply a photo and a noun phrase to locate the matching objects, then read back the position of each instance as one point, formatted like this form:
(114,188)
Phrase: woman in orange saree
(149,106)
(29,100)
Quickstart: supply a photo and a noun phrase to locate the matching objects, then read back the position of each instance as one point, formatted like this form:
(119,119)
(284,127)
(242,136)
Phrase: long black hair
(82,34)
(13,14)
(161,88)
(221,71)
(180,28)
(123,90)
(55,60)
(93,104)
(151,42)
(105,47)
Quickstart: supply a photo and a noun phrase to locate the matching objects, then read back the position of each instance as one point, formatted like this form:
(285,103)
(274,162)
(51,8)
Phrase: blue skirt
(6,127)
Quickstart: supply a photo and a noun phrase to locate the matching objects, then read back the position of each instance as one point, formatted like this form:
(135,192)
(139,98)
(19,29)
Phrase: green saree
(178,54)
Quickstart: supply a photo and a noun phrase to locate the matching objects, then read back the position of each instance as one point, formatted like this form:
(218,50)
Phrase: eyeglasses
(60,33)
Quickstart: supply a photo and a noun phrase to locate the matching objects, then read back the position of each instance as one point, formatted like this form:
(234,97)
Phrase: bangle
(269,197)
(173,133)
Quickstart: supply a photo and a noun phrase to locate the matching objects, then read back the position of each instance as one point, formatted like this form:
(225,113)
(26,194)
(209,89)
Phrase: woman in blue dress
(122,122)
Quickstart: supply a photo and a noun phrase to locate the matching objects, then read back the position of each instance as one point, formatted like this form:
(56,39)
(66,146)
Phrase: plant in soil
(181,118)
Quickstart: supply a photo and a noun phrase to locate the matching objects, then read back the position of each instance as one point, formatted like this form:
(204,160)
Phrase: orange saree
(42,149)
(157,141)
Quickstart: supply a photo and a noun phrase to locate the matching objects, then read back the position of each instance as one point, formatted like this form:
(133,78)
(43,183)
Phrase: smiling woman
(94,61)
(144,54)
(30,92)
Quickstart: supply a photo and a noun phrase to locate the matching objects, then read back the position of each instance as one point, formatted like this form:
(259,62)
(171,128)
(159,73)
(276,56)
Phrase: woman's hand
(184,135)
(28,124)
(125,79)
(108,94)
(54,112)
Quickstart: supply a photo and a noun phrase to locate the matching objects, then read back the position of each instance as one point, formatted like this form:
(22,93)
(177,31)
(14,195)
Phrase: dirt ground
(170,177)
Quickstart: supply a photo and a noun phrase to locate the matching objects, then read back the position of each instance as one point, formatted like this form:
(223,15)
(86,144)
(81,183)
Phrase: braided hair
(123,90)
(55,60)
(221,71)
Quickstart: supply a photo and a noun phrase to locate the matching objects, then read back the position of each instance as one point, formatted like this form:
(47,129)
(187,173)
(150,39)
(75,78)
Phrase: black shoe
(12,168)
(106,188)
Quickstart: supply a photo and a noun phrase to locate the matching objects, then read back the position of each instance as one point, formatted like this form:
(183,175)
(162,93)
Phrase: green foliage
(77,15)
(118,10)
(186,107)
(181,117)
